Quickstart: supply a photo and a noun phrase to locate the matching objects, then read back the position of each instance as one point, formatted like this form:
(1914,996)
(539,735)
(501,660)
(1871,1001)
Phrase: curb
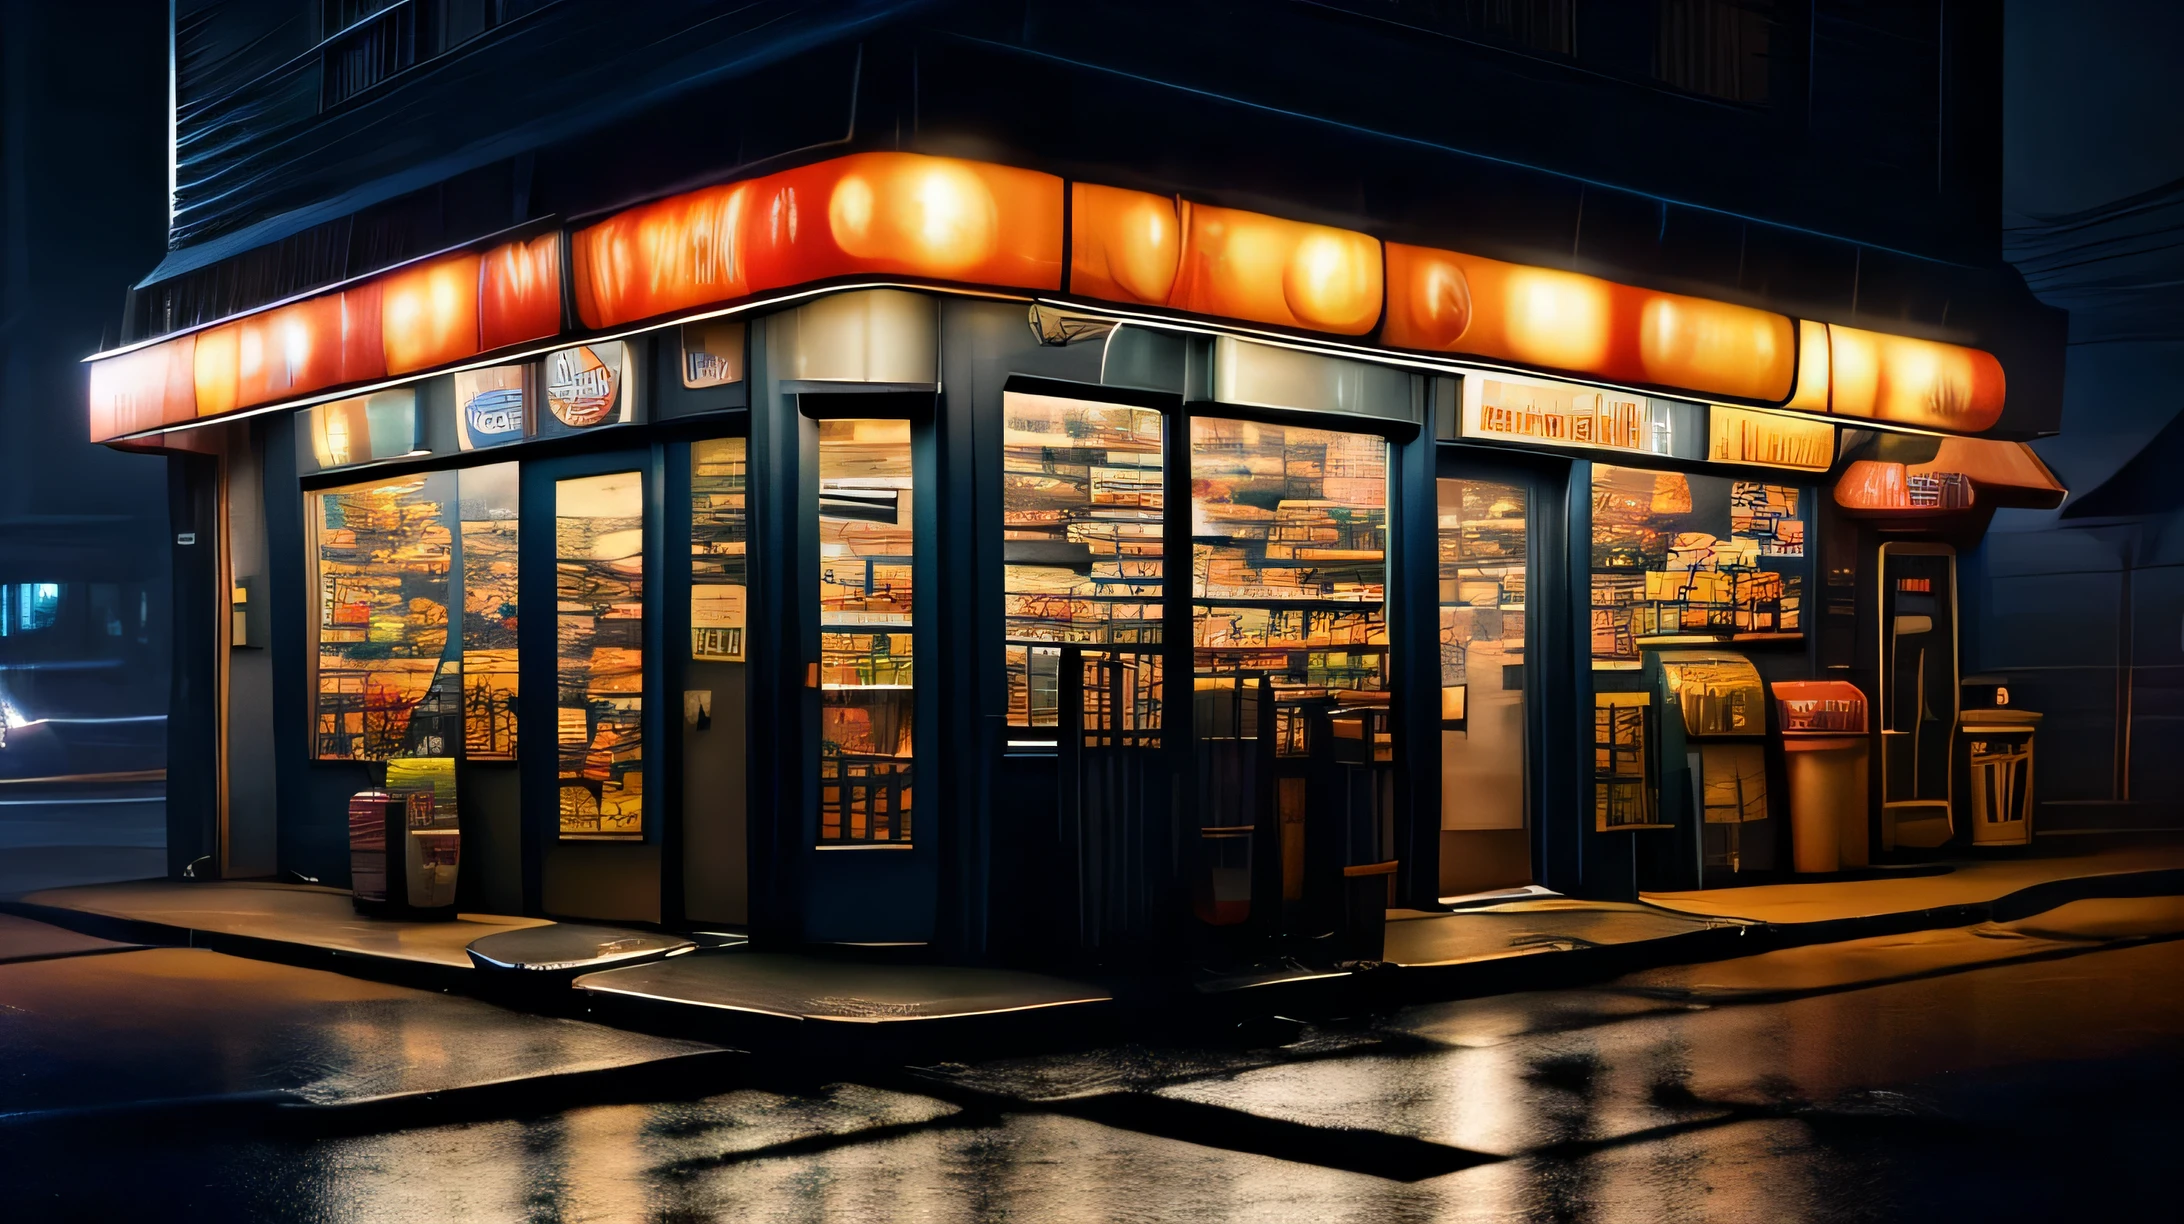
(1145,1006)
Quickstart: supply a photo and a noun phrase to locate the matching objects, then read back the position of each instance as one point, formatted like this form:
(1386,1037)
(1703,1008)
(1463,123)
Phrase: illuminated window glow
(599,547)
(1082,516)
(867,697)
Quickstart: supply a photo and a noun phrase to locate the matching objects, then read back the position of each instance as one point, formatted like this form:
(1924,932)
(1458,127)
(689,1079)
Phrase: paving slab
(792,987)
(22,939)
(572,947)
(1519,928)
(299,914)
(827,1008)
(169,1028)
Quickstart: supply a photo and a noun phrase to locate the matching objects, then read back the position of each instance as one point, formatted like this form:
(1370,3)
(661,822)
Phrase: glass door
(587,699)
(866,679)
(1483,543)
(1084,522)
(1918,697)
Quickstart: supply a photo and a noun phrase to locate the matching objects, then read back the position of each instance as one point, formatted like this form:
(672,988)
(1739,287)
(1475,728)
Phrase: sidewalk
(320,925)
(821,1001)
(1969,885)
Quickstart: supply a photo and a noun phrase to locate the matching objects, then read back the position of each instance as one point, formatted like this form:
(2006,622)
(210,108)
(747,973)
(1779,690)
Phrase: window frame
(1173,421)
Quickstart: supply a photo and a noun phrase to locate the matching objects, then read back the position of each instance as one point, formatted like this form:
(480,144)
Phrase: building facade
(1042,480)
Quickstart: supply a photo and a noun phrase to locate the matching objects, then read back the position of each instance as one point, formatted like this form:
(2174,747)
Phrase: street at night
(2022,1071)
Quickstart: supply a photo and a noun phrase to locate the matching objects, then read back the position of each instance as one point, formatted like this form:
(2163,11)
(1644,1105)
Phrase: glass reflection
(867,704)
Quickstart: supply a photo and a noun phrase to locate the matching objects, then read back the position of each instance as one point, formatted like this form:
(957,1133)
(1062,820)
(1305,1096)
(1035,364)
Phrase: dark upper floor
(1836,159)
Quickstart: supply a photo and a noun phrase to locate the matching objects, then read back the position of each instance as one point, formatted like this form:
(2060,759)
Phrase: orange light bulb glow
(1131,246)
(429,314)
(1914,382)
(1555,319)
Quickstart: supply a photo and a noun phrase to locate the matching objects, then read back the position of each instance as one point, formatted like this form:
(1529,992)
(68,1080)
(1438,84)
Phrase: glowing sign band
(1772,439)
(955,222)
(1502,408)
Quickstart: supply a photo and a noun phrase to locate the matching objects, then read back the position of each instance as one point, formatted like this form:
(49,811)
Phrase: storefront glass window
(1289,567)
(867,700)
(599,584)
(1482,544)
(387,675)
(489,533)
(719,532)
(1082,515)
(1689,559)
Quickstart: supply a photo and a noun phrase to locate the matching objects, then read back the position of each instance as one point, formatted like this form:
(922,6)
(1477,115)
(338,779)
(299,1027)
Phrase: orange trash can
(1825,752)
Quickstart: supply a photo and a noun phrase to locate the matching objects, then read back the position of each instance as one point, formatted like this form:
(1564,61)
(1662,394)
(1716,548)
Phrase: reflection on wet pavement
(318,917)
(173,1024)
(1992,1085)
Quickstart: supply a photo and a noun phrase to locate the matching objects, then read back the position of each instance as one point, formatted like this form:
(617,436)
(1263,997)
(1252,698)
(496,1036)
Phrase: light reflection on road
(2019,1076)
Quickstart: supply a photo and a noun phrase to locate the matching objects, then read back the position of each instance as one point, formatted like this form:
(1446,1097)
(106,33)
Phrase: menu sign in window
(1506,408)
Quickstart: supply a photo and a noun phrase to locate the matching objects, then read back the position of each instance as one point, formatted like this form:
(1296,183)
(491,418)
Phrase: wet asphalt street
(2022,1072)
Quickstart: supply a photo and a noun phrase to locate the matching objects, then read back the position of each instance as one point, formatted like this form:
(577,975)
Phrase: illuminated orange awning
(413,319)
(901,214)
(1137,248)
(1446,302)
(951,221)
(1912,382)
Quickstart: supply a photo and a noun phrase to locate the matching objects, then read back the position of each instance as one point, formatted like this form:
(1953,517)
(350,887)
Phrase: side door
(1485,546)
(590,699)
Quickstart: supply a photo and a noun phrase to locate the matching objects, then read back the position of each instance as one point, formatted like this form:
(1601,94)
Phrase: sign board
(716,622)
(586,387)
(1508,408)
(492,406)
(1770,439)
(712,353)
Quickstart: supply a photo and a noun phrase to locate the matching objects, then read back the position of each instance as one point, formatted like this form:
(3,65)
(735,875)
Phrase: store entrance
(590,656)
(1483,543)
(1295,779)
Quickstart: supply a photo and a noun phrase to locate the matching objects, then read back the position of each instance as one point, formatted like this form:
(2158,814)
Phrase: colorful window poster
(1505,408)
(489,534)
(1678,558)
(719,534)
(388,673)
(599,584)
(587,387)
(363,429)
(492,406)
(712,353)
